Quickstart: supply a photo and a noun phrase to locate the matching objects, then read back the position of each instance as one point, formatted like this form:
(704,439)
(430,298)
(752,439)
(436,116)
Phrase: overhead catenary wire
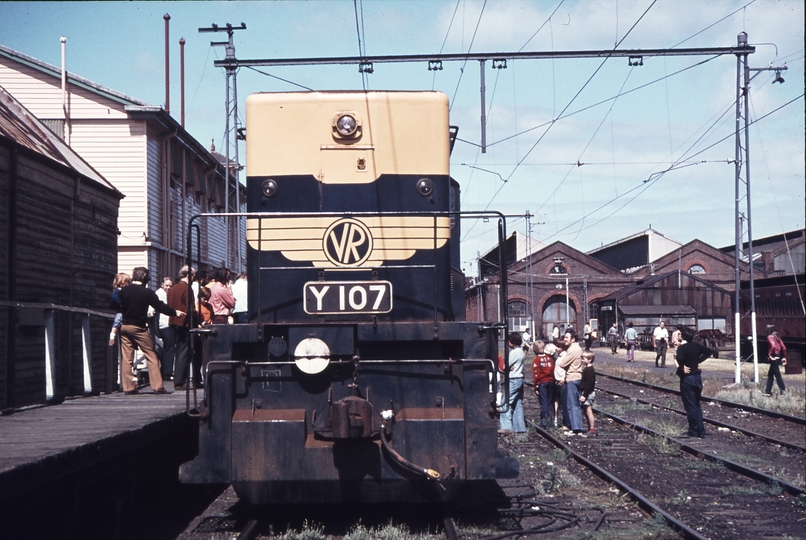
(601,102)
(551,123)
(657,175)
(358,8)
(779,213)
(469,48)
(713,24)
(445,40)
(279,78)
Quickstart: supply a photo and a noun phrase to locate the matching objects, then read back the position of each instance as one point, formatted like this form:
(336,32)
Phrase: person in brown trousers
(135,300)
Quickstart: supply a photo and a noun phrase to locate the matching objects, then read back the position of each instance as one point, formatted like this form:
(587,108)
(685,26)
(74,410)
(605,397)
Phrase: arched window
(557,313)
(558,270)
(696,269)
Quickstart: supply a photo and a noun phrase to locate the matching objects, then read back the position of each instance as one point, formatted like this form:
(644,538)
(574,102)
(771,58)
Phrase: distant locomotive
(357,379)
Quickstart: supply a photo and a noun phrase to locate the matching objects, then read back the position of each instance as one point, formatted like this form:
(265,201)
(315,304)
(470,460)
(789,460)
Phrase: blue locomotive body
(357,378)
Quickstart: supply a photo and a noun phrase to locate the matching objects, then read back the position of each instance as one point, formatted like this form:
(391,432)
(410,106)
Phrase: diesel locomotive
(357,378)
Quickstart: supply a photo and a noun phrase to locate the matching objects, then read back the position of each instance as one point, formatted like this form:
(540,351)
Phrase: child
(586,389)
(121,280)
(543,378)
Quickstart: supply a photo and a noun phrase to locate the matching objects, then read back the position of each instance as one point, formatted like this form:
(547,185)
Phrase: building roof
(22,127)
(518,247)
(72,78)
(634,252)
(640,311)
(775,243)
(651,280)
(134,107)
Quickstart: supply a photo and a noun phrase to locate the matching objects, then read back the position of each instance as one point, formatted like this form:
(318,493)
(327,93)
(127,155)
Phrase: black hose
(430,474)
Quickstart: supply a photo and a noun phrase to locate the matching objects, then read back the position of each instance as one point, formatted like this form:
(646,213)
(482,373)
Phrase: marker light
(312,356)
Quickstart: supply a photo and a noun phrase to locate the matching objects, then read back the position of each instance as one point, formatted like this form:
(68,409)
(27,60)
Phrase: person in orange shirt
(543,379)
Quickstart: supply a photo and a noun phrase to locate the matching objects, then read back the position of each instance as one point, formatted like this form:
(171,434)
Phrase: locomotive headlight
(269,188)
(346,126)
(312,356)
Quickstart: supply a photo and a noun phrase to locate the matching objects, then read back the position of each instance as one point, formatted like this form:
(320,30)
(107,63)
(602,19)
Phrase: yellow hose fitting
(432,474)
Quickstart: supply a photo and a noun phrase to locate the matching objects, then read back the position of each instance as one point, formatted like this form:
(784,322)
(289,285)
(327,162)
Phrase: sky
(593,150)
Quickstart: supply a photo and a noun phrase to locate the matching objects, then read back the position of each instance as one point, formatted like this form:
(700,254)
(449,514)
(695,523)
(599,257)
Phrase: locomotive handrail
(247,364)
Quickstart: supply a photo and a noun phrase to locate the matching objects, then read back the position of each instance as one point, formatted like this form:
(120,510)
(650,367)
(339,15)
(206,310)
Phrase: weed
(704,464)
(743,490)
(558,477)
(662,426)
(659,445)
(682,498)
(390,531)
(310,531)
(473,531)
(656,527)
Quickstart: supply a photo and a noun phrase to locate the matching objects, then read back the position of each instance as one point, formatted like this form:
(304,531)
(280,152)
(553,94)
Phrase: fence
(53,351)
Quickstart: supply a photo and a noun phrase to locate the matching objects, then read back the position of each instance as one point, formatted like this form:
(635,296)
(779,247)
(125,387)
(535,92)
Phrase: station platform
(94,460)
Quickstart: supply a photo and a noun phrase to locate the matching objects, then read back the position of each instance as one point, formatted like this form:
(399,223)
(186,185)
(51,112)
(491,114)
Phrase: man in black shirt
(689,357)
(135,300)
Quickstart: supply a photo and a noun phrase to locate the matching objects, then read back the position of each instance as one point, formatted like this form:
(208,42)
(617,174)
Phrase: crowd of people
(564,381)
(158,323)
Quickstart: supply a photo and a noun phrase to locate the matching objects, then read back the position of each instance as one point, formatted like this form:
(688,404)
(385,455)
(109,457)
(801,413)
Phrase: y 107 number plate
(334,297)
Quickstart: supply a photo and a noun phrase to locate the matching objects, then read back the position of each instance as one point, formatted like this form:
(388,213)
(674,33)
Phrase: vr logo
(347,242)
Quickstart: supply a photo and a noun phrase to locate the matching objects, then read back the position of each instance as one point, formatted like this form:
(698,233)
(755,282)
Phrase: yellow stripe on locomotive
(354,242)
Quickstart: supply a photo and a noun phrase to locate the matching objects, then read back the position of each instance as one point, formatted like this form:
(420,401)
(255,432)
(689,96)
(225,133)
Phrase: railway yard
(115,458)
(638,477)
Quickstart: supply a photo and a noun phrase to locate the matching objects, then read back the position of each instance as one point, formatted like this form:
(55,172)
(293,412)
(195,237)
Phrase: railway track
(729,485)
(769,443)
(637,478)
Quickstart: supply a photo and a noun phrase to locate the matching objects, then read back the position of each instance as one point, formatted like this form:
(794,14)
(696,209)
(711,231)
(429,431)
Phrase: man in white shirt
(240,290)
(527,339)
(660,340)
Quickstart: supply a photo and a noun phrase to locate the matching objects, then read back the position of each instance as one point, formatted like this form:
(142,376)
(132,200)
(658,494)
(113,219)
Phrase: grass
(743,490)
(681,498)
(748,393)
(659,445)
(390,531)
(703,464)
(309,531)
(663,426)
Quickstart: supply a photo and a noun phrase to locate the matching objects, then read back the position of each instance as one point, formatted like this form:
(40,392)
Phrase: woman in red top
(777,356)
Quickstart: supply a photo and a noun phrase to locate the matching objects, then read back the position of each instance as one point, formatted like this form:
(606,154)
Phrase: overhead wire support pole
(741,58)
(231,105)
(743,79)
